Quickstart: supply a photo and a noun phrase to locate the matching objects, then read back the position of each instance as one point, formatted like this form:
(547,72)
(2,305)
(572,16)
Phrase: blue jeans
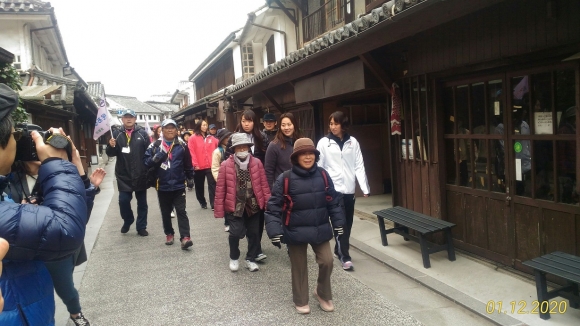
(61,273)
(125,198)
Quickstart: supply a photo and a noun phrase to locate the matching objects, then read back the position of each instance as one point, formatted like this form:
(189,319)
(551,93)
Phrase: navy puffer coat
(36,233)
(180,167)
(309,220)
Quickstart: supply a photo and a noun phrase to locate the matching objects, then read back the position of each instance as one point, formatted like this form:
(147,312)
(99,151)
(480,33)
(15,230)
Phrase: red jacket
(201,150)
(225,190)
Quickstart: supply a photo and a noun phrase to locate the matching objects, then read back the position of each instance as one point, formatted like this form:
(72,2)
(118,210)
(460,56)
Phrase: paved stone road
(133,280)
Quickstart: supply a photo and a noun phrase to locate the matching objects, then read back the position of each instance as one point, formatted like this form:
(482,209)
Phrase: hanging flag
(103,124)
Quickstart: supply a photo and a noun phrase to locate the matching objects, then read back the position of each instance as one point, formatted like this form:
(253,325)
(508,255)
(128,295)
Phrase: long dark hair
(258,140)
(279,138)
(197,127)
(156,132)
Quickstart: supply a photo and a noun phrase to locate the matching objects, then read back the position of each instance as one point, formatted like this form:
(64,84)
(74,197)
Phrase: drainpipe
(275,30)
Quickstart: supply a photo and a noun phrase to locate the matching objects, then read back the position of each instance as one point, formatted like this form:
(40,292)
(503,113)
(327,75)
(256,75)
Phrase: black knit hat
(8,100)
(222,134)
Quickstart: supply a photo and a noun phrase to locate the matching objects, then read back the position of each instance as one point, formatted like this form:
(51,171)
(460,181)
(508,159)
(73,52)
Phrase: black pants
(241,227)
(199,179)
(343,251)
(168,200)
(260,231)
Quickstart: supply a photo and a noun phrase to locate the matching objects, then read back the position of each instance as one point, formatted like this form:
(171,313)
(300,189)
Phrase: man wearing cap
(171,161)
(212,130)
(50,231)
(129,144)
(270,126)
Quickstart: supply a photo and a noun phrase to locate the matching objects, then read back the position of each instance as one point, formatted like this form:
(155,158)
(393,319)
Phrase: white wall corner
(237,58)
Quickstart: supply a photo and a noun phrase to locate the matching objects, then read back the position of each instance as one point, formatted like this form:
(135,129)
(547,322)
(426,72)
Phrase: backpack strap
(288,203)
(325,177)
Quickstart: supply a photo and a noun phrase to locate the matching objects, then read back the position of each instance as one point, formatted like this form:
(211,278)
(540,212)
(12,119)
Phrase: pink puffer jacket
(201,150)
(225,190)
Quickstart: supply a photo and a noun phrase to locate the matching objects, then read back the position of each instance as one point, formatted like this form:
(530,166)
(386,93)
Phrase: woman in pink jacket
(242,192)
(201,146)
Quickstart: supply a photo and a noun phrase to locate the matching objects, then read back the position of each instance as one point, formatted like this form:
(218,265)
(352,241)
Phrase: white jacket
(343,166)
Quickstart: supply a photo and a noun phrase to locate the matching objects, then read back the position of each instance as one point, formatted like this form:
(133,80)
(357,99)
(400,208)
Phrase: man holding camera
(129,144)
(50,231)
(170,161)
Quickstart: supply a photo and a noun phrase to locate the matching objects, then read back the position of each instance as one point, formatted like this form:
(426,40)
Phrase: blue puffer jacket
(50,231)
(180,167)
(309,222)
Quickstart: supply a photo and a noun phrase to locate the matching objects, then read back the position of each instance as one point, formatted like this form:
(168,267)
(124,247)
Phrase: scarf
(242,164)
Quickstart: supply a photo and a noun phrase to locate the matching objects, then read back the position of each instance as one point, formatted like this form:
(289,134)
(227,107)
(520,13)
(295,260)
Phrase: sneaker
(80,320)
(212,209)
(143,233)
(172,214)
(234,265)
(169,239)
(347,266)
(186,243)
(227,228)
(204,206)
(252,266)
(302,310)
(325,305)
(261,257)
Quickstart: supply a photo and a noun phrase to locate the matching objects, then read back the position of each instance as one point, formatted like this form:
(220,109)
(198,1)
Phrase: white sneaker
(253,267)
(234,265)
(172,214)
(227,228)
(261,257)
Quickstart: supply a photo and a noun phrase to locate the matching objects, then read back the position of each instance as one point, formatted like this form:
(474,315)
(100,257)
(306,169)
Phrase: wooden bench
(405,219)
(559,264)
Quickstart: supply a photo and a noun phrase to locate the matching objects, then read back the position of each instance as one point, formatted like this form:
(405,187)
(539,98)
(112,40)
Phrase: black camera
(26,148)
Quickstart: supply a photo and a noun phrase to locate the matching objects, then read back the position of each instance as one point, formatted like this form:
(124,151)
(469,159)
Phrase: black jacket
(130,171)
(180,167)
(277,159)
(309,222)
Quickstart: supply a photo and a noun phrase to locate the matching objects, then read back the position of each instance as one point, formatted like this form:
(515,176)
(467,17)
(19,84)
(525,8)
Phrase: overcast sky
(142,48)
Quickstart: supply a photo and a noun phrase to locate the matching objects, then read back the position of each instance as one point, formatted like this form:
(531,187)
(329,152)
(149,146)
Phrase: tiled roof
(96,89)
(164,107)
(325,42)
(24,6)
(133,103)
(207,99)
(35,77)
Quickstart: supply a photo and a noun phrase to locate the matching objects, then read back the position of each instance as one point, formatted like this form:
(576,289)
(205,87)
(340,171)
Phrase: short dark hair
(340,118)
(6,125)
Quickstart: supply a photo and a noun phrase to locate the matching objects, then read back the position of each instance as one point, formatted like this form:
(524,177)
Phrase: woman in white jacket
(340,155)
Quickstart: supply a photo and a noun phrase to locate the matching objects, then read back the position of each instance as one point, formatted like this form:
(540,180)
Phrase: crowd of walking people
(270,178)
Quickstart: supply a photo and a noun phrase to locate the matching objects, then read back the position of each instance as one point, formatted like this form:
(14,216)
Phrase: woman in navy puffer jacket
(50,231)
(313,199)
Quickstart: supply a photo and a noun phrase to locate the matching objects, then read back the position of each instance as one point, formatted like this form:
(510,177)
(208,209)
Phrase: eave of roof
(213,55)
(207,99)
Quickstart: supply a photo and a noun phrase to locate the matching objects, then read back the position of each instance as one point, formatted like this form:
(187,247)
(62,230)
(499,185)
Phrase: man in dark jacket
(270,126)
(57,230)
(171,161)
(129,145)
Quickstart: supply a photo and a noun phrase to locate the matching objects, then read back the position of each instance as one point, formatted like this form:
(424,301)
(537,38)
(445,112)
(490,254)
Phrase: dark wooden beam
(299,5)
(286,11)
(273,101)
(377,71)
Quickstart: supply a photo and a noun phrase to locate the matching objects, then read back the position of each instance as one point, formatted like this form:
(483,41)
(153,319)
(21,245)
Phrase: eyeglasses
(17,134)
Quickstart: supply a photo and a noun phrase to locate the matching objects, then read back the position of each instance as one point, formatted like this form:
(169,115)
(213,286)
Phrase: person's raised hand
(45,151)
(112,142)
(3,250)
(97,176)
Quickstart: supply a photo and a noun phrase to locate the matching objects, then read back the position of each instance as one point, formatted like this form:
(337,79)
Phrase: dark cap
(212,126)
(222,134)
(269,117)
(8,100)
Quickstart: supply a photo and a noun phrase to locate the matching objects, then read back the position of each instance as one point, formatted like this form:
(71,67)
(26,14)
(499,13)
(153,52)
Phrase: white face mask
(242,155)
